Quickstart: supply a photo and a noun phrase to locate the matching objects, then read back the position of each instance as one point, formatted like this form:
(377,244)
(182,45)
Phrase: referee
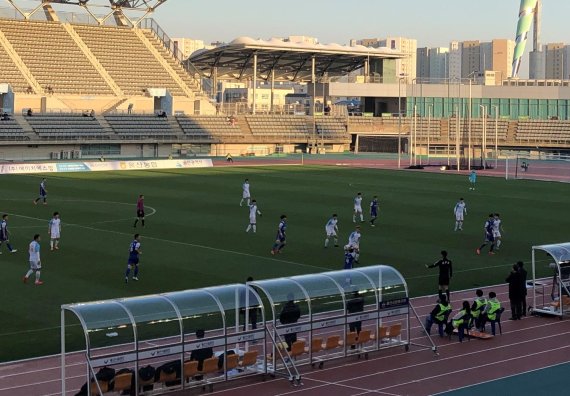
(445,274)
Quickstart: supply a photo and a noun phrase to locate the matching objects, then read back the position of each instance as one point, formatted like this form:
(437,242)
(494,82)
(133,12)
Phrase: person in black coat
(515,292)
(203,353)
(290,314)
(354,305)
(523,275)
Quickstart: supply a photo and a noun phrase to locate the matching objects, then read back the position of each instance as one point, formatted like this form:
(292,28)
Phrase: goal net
(547,167)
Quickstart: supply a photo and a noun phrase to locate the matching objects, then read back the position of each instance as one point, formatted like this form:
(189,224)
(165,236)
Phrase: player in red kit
(140,211)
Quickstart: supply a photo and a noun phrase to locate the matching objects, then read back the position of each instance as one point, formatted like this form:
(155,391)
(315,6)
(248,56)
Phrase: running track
(525,345)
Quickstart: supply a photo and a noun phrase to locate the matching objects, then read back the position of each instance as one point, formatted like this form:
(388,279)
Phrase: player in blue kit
(489,238)
(373,210)
(134,253)
(281,238)
(5,234)
(43,193)
(349,257)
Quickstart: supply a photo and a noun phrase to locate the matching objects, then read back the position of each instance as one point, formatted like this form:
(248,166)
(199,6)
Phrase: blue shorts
(133,260)
(489,238)
(374,213)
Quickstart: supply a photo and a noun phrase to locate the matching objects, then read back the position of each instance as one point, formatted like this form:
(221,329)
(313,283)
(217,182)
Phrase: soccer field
(195,233)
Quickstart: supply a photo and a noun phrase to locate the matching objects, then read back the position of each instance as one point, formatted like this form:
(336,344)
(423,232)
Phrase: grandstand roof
(290,61)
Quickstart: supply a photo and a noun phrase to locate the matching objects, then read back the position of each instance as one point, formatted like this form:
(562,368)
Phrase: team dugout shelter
(247,59)
(238,330)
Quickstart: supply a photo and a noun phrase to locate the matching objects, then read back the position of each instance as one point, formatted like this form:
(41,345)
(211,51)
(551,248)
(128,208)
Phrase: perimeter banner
(98,166)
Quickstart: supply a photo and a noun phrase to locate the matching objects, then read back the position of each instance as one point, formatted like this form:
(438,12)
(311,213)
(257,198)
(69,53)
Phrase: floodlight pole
(314,81)
(430,107)
(458,120)
(496,136)
(483,110)
(254,82)
(400,121)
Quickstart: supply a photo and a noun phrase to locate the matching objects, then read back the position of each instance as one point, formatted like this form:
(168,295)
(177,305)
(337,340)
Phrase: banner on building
(100,166)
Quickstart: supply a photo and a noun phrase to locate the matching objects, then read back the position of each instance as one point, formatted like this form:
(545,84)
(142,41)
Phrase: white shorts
(252,220)
(246,195)
(496,234)
(35,265)
(54,235)
(330,231)
(459,216)
(355,246)
(358,209)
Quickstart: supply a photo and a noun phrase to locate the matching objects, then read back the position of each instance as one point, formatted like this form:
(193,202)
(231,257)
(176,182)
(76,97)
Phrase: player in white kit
(253,212)
(331,228)
(35,263)
(460,210)
(354,242)
(358,208)
(54,231)
(497,228)
(245,195)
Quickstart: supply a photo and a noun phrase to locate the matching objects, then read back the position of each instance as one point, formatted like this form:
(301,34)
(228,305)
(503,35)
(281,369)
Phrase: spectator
(490,312)
(515,292)
(229,158)
(290,314)
(130,108)
(4,117)
(218,108)
(29,113)
(327,110)
(477,308)
(354,305)
(438,315)
(201,354)
(461,320)
(523,276)
(92,113)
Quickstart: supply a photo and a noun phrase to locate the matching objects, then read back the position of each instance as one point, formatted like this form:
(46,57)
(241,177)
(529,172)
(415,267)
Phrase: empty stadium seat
(66,126)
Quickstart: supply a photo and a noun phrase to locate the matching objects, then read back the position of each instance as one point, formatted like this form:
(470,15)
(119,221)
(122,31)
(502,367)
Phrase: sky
(433,23)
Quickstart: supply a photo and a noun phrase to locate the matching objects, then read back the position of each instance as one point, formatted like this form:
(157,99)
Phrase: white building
(188,46)
(454,64)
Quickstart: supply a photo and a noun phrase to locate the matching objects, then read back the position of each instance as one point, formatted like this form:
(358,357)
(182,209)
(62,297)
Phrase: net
(546,167)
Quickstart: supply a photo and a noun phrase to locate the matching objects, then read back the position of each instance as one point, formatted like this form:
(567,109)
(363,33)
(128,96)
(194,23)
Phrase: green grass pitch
(197,236)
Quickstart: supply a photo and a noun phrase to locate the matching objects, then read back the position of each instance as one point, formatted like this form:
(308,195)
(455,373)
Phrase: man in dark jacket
(523,275)
(290,314)
(203,353)
(354,305)
(515,292)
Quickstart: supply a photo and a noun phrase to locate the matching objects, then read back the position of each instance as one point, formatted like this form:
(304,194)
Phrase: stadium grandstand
(108,83)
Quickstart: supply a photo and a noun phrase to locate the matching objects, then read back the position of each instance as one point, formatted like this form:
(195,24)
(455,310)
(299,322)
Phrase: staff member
(438,316)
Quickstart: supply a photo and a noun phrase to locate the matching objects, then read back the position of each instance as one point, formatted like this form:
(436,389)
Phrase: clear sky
(433,23)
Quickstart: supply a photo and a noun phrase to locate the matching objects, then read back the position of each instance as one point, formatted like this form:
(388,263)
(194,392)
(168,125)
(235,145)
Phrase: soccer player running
(373,211)
(134,253)
(460,210)
(281,238)
(5,234)
(472,180)
(245,196)
(358,208)
(349,257)
(140,211)
(35,263)
(497,229)
(253,212)
(445,274)
(54,231)
(43,193)
(331,229)
(488,236)
(354,242)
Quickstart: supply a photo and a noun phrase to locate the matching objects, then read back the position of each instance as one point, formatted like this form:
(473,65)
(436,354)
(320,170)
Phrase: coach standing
(515,292)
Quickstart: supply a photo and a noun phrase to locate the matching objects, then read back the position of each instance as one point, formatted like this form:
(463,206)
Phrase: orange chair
(351,339)
(122,382)
(316,345)
(297,349)
(332,342)
(209,366)
(364,337)
(382,333)
(104,385)
(190,369)
(232,362)
(249,359)
(395,332)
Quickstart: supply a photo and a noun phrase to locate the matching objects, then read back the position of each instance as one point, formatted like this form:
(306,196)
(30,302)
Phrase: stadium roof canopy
(289,61)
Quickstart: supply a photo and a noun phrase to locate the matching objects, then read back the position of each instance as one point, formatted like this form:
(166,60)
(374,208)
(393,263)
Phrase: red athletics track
(525,345)
(539,170)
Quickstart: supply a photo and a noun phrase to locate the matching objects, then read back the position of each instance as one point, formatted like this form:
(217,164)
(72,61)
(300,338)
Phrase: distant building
(423,63)
(188,46)
(406,67)
(454,67)
(478,57)
(438,64)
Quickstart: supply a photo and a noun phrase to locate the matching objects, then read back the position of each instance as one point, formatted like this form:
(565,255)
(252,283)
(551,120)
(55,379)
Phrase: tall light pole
(496,135)
(400,120)
(472,74)
(483,110)
(430,107)
(458,119)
